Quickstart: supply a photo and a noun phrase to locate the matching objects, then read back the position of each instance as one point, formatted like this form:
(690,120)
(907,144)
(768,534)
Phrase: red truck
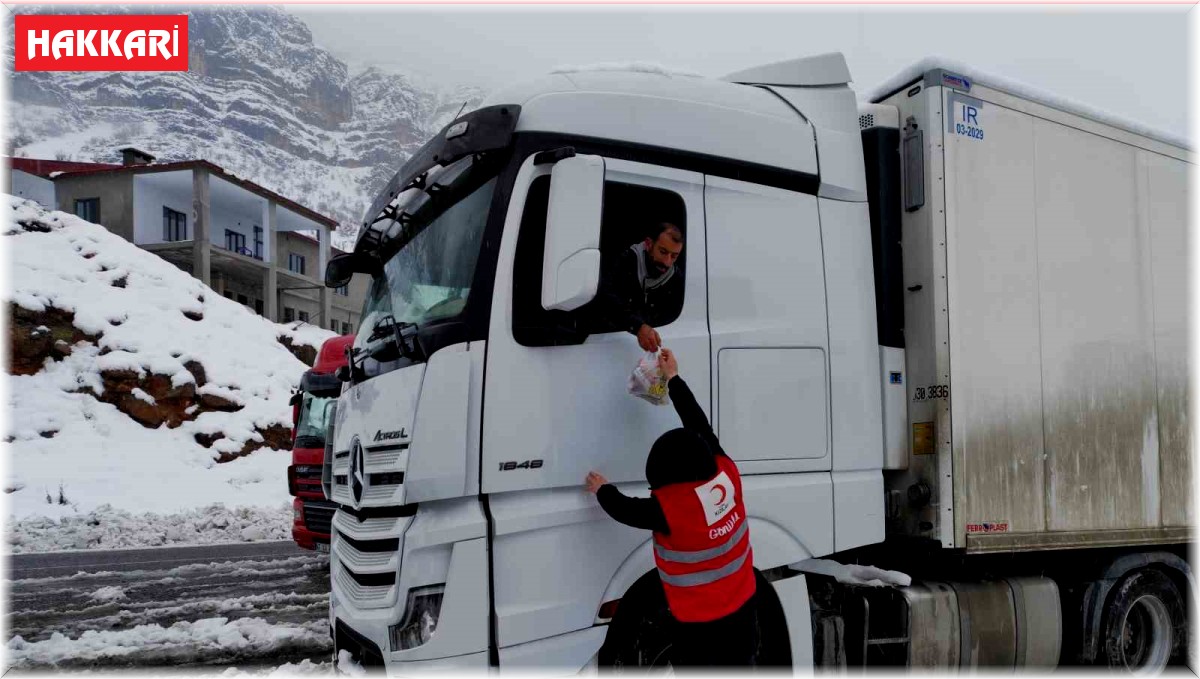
(311,407)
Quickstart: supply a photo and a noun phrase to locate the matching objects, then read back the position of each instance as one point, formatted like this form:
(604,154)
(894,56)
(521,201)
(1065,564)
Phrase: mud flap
(792,594)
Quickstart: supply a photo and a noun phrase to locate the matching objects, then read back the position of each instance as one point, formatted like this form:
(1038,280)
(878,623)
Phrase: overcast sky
(1130,62)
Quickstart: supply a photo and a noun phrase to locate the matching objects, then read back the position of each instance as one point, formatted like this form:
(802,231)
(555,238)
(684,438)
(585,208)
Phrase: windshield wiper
(396,336)
(409,342)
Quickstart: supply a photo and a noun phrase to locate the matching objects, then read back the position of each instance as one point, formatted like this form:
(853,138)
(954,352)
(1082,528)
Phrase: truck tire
(1145,624)
(639,635)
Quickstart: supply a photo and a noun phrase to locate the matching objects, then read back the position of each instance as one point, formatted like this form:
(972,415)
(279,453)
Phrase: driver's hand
(648,338)
(594,481)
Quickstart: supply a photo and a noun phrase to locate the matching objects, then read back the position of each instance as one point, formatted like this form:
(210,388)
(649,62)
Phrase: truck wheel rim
(1146,634)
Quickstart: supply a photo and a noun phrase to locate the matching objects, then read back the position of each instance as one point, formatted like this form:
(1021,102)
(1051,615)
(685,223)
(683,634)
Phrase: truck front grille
(363,596)
(372,546)
(318,516)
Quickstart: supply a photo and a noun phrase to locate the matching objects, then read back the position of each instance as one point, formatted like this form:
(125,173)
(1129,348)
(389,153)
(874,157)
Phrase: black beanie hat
(679,456)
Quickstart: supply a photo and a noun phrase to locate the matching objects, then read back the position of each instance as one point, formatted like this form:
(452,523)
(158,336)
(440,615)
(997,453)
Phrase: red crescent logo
(723,493)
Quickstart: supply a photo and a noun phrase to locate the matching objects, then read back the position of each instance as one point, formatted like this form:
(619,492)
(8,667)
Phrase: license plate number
(322,548)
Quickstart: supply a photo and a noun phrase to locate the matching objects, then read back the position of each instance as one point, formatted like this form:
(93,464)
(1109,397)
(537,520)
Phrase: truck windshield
(429,278)
(314,418)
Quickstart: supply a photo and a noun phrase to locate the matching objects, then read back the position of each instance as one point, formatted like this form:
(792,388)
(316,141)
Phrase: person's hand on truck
(594,481)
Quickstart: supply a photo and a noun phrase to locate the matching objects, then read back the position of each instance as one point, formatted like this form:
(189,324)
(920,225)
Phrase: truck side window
(630,212)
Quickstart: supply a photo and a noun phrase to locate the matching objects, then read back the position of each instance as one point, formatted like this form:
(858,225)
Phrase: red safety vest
(705,563)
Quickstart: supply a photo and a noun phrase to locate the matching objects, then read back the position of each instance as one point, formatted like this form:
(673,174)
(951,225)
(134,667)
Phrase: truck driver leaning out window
(701,535)
(644,287)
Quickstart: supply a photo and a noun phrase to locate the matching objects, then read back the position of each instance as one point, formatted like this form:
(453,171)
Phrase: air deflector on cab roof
(485,129)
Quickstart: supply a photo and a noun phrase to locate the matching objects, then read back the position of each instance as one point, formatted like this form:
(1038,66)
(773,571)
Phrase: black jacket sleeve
(691,414)
(616,305)
(637,512)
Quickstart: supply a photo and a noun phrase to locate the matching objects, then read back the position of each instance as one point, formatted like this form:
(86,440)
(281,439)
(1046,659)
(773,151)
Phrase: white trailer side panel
(993,291)
(1168,219)
(1066,269)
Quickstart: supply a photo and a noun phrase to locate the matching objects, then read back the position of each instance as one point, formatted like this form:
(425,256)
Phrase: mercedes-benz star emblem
(358,475)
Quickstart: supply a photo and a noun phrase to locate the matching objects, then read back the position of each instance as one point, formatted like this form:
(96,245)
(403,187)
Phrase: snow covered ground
(184,639)
(111,480)
(255,614)
(107,527)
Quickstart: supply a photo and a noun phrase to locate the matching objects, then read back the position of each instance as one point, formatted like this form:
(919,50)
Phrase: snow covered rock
(148,399)
(304,340)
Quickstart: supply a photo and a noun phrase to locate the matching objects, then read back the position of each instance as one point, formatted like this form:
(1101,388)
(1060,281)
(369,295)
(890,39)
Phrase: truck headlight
(420,618)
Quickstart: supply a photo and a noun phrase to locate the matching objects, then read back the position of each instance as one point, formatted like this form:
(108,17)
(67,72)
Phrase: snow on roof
(52,168)
(1017,88)
(628,67)
(137,303)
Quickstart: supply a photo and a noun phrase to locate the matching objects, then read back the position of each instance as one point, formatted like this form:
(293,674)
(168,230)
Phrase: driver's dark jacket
(621,303)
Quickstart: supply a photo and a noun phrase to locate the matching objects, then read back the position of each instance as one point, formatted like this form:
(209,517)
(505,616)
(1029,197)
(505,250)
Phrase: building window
(258,307)
(235,242)
(88,209)
(296,263)
(242,299)
(258,242)
(333,326)
(228,294)
(174,225)
(303,316)
(344,291)
(289,314)
(345,328)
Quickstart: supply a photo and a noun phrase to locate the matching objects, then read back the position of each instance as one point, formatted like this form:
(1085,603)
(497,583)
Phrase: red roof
(103,168)
(43,168)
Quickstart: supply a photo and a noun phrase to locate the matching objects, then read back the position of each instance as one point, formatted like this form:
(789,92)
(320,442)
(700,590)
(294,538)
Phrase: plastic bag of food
(646,382)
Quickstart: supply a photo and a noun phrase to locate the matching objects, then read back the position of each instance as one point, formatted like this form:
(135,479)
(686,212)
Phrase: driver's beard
(653,267)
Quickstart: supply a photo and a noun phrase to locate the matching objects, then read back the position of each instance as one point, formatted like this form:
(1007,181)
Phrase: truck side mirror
(571,263)
(342,267)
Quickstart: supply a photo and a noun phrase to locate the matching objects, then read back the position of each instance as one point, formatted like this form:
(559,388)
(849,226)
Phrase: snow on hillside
(150,379)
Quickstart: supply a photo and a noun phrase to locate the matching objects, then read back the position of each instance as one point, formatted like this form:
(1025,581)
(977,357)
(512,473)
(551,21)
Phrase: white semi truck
(943,333)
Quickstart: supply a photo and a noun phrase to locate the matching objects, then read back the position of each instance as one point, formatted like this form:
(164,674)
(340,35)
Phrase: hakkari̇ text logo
(101,42)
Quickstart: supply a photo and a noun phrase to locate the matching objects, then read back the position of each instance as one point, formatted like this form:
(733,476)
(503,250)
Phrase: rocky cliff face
(259,99)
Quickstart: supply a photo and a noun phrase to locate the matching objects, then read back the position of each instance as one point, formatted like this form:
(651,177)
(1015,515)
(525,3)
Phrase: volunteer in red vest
(701,535)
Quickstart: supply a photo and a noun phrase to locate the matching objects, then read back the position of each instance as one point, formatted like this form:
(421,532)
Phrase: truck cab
(311,407)
(479,396)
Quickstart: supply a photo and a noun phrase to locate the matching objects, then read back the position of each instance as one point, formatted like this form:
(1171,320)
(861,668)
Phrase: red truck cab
(311,408)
